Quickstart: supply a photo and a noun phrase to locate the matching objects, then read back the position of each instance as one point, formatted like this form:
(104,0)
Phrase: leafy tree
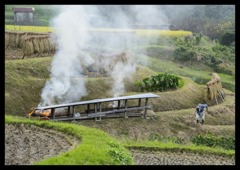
(227,38)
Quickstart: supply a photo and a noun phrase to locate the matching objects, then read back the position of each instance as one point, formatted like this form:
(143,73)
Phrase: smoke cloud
(66,83)
(72,35)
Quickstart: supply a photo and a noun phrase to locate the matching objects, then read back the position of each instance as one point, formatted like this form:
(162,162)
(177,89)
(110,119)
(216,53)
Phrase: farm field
(98,58)
(131,131)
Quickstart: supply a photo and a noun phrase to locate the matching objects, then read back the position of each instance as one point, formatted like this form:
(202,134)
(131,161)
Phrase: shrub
(214,56)
(198,38)
(184,52)
(213,141)
(227,38)
(157,137)
(119,154)
(225,68)
(159,82)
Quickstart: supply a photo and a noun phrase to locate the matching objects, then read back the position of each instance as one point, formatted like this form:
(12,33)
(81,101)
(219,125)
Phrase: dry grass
(174,123)
(31,43)
(24,80)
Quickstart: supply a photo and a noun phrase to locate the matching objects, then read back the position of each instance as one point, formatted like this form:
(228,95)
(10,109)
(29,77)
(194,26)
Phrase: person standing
(200,112)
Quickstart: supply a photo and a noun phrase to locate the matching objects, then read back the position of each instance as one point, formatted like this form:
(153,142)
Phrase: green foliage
(156,145)
(213,55)
(187,49)
(184,52)
(198,38)
(165,139)
(160,82)
(225,68)
(227,38)
(119,154)
(156,51)
(213,141)
(95,147)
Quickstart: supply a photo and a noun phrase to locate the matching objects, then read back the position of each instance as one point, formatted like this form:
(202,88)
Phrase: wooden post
(53,113)
(145,112)
(118,104)
(68,112)
(88,108)
(100,107)
(95,107)
(125,112)
(73,110)
(139,102)
(98,119)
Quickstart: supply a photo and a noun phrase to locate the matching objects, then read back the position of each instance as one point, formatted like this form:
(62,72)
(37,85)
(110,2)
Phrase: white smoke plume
(120,72)
(66,83)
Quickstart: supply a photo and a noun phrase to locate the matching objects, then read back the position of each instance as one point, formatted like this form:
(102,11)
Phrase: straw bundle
(36,45)
(41,45)
(51,46)
(7,39)
(46,45)
(21,38)
(12,37)
(17,40)
(28,46)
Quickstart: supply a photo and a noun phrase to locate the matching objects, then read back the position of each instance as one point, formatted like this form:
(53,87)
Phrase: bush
(184,53)
(160,82)
(213,141)
(215,56)
(160,52)
(227,38)
(198,38)
(157,137)
(225,68)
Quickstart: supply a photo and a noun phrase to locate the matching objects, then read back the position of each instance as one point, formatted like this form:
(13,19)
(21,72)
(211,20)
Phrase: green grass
(178,123)
(197,74)
(95,148)
(24,80)
(170,146)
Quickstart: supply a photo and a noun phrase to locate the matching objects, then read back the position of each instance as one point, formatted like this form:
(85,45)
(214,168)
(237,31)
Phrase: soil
(178,158)
(13,53)
(24,145)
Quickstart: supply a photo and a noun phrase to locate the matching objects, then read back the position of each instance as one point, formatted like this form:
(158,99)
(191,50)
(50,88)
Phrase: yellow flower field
(28,28)
(140,32)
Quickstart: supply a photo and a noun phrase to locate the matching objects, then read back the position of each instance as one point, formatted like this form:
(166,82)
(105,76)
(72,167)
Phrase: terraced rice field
(179,158)
(25,145)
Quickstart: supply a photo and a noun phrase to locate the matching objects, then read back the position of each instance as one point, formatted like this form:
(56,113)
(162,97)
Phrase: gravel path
(178,158)
(25,145)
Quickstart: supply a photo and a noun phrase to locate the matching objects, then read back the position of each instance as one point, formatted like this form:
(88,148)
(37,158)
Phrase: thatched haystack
(46,45)
(214,88)
(28,47)
(36,45)
(41,45)
(7,39)
(12,37)
(31,42)
(106,63)
(22,35)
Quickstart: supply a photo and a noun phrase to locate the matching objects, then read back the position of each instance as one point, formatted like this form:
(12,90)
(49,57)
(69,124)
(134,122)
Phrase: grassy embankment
(22,75)
(87,152)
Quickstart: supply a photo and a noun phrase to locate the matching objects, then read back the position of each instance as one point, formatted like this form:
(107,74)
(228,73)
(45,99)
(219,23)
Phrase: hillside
(104,51)
(173,118)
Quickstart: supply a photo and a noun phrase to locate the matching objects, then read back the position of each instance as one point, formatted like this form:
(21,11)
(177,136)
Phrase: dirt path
(25,145)
(178,158)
